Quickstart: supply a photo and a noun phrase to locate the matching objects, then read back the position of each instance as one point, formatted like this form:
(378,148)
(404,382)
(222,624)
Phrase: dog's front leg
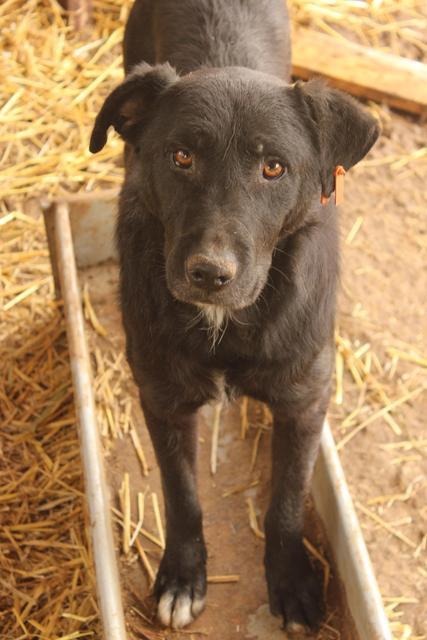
(294,587)
(180,586)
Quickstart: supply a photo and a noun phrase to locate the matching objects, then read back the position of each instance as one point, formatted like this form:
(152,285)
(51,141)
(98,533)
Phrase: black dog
(229,261)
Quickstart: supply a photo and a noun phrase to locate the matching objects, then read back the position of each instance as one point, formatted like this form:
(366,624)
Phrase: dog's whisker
(263,298)
(237,320)
(194,321)
(272,287)
(284,275)
(279,250)
(218,335)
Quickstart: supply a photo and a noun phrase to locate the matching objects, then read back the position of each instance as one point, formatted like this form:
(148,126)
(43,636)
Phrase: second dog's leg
(294,587)
(180,586)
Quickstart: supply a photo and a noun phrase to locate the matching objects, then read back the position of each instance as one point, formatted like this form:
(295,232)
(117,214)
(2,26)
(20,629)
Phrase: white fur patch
(216,318)
(182,615)
(198,606)
(165,608)
(295,628)
(178,611)
(214,314)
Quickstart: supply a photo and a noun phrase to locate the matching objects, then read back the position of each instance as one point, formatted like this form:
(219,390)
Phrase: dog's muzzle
(210,274)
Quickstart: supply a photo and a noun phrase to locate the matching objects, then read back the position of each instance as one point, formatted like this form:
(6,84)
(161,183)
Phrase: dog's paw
(180,587)
(294,589)
(178,606)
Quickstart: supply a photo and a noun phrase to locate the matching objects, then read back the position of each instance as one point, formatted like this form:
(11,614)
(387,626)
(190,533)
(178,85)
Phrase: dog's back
(216,33)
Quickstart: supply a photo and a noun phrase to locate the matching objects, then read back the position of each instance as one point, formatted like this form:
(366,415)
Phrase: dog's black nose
(210,273)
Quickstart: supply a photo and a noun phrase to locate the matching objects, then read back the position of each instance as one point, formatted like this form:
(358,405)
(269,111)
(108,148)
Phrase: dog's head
(231,161)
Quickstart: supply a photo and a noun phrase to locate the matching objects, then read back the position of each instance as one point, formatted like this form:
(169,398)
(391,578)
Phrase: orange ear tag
(339,174)
(324,199)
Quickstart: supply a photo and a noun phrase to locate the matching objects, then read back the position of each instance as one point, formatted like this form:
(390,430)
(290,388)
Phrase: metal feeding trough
(83,229)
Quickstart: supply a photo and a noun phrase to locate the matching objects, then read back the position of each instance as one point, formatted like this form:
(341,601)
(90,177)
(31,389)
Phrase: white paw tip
(197,606)
(182,612)
(165,608)
(178,611)
(295,627)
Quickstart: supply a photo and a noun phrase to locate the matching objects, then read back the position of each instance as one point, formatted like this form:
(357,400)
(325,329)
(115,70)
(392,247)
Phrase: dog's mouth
(205,298)
(220,281)
(231,299)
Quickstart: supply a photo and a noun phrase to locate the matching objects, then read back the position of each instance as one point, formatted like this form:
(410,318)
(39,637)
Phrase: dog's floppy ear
(343,130)
(124,108)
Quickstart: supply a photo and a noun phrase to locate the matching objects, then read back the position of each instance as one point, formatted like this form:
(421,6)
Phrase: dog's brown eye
(273,169)
(182,159)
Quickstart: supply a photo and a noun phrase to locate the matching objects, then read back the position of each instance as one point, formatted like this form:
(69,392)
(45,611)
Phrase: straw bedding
(47,585)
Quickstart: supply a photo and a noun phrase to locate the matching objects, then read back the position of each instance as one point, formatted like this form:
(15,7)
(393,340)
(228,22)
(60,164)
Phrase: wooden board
(361,71)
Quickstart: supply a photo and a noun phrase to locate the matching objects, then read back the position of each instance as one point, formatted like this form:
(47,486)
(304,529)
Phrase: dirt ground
(381,308)
(383,303)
